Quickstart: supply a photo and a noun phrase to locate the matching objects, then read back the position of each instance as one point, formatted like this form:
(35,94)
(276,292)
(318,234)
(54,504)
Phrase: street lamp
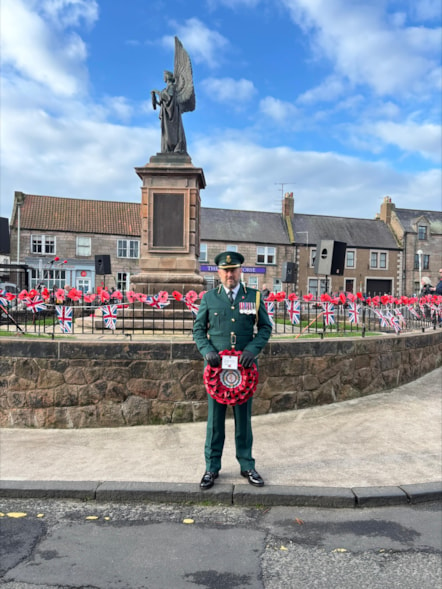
(19,199)
(419,253)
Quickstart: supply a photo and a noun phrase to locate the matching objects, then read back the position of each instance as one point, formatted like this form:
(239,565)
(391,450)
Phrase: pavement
(382,449)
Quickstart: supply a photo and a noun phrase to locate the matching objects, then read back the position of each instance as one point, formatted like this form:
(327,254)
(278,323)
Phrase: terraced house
(90,243)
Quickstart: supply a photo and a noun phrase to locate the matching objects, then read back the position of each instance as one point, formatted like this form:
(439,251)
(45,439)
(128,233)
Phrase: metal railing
(295,318)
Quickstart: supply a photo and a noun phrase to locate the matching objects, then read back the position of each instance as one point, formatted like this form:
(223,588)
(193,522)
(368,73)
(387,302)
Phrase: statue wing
(183,78)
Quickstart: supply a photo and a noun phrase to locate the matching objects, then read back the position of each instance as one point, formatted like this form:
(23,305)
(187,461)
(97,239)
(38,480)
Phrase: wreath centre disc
(230,378)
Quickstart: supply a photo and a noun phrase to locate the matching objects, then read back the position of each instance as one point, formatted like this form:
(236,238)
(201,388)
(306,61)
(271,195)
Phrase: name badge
(229,363)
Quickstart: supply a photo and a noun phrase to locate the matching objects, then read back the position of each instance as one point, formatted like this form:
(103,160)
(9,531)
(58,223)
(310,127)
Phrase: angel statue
(176,98)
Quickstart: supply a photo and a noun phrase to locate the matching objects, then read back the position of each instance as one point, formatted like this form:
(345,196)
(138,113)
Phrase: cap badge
(228,259)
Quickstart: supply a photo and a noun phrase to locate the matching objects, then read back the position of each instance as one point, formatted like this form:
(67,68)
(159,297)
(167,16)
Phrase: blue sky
(337,101)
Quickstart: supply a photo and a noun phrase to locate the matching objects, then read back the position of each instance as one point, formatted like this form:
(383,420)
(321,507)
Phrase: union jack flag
(192,307)
(36,304)
(294,311)
(3,299)
(109,316)
(64,315)
(270,308)
(383,319)
(354,311)
(155,303)
(413,311)
(394,322)
(399,316)
(329,313)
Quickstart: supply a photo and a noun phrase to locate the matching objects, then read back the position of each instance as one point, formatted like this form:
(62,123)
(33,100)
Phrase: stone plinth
(170,225)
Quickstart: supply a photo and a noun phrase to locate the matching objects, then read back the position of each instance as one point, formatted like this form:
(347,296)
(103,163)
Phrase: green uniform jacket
(218,319)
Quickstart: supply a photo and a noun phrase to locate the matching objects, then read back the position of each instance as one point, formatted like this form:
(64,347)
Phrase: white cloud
(278,110)
(68,13)
(425,139)
(203,44)
(323,183)
(228,90)
(363,46)
(36,53)
(328,91)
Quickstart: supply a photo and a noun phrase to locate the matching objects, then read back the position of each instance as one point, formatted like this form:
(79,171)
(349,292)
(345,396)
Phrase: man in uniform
(225,320)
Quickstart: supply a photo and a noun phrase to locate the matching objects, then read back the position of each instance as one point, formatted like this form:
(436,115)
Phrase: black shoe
(208,479)
(254,477)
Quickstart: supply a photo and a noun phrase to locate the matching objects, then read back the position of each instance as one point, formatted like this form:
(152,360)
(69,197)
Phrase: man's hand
(246,359)
(213,359)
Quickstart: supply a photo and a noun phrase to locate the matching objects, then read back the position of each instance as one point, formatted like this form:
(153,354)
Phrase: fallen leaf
(299,521)
(16,514)
(283,548)
(339,550)
(188,520)
(92,517)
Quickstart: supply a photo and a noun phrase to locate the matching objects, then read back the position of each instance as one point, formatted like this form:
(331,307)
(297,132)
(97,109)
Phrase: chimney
(386,209)
(288,205)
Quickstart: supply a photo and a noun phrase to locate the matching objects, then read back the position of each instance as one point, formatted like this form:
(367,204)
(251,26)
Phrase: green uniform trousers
(215,434)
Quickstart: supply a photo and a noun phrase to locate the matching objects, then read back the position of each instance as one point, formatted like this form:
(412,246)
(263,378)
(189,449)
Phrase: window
(378,260)
(203,252)
(416,261)
(43,244)
(312,257)
(350,263)
(422,232)
(83,246)
(231,248)
(426,262)
(314,284)
(123,283)
(128,248)
(265,255)
(50,278)
(252,281)
(277,285)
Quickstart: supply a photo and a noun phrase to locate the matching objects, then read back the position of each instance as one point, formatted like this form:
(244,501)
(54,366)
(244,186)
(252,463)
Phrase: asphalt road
(72,545)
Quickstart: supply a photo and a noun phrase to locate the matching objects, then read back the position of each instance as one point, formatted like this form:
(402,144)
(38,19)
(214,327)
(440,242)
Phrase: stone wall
(55,384)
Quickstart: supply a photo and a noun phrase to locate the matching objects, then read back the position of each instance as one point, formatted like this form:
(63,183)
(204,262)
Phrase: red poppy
(360,296)
(89,298)
(280,296)
(325,297)
(177,295)
(74,294)
(308,297)
(10,296)
(117,295)
(191,296)
(293,296)
(163,296)
(104,296)
(351,297)
(342,297)
(23,295)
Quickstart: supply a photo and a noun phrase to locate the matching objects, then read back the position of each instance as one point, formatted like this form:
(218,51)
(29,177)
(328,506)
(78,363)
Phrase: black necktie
(231,296)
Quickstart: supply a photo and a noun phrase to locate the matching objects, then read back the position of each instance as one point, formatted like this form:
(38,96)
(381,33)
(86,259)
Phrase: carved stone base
(151,283)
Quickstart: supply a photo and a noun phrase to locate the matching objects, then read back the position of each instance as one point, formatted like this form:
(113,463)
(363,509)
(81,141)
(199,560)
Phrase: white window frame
(83,245)
(266,252)
(252,281)
(47,244)
(322,285)
(125,246)
(120,279)
(230,247)
(379,255)
(347,265)
(203,252)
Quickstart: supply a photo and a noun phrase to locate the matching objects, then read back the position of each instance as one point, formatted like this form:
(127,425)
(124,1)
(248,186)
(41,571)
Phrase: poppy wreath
(234,391)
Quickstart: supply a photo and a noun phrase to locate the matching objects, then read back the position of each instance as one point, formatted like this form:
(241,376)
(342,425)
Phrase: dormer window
(422,232)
